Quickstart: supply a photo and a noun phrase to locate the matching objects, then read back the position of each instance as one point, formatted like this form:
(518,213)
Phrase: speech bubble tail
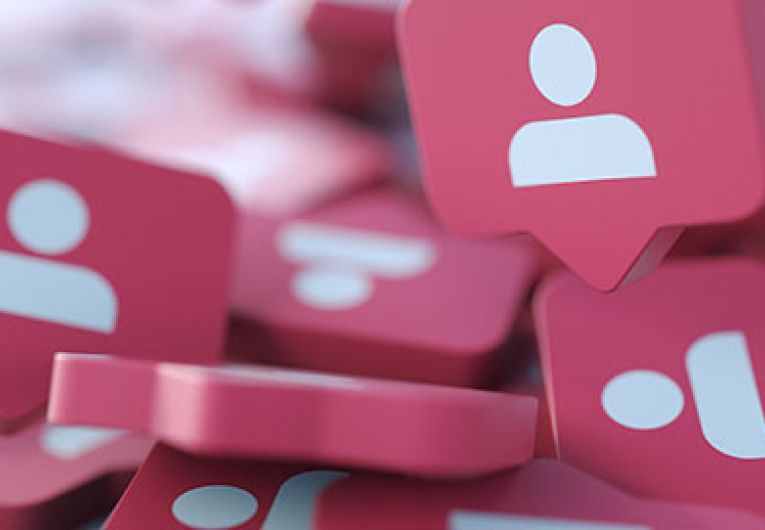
(609,259)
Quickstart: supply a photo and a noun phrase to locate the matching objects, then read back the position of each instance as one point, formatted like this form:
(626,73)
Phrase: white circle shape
(332,288)
(215,507)
(48,216)
(563,65)
(642,400)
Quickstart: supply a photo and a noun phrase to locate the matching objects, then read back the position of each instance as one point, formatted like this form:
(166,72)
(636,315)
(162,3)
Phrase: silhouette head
(563,65)
(48,216)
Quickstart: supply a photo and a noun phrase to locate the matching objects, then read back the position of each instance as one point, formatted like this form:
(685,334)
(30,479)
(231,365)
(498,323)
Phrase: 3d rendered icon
(370,285)
(101,252)
(177,490)
(658,388)
(541,495)
(58,477)
(416,429)
(49,217)
(561,119)
(580,149)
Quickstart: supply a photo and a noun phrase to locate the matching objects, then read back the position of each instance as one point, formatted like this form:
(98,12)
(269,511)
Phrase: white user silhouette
(49,217)
(581,149)
(341,263)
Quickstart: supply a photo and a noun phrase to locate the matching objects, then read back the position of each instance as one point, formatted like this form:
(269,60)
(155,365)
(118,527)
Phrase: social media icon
(100,252)
(340,264)
(487,431)
(50,217)
(68,443)
(572,121)
(659,388)
(724,391)
(230,506)
(62,476)
(542,495)
(176,490)
(580,149)
(370,285)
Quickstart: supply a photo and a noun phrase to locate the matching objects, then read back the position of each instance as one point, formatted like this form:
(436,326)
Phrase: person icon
(340,264)
(584,149)
(49,217)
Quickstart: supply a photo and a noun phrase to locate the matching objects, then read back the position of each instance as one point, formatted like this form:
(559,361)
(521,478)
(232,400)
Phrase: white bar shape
(470,520)
(588,149)
(295,505)
(726,395)
(386,255)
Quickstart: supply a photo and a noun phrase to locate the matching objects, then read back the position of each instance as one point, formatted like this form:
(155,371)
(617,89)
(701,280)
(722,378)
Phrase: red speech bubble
(601,128)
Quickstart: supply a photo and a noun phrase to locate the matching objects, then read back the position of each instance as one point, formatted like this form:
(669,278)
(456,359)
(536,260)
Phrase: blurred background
(288,103)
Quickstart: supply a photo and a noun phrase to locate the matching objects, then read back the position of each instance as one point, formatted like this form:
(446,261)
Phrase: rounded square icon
(601,128)
(173,489)
(370,285)
(658,388)
(102,252)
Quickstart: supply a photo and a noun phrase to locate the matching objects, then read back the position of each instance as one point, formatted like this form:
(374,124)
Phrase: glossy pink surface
(155,249)
(334,420)
(684,73)
(53,475)
(540,495)
(256,495)
(435,308)
(694,331)
(285,495)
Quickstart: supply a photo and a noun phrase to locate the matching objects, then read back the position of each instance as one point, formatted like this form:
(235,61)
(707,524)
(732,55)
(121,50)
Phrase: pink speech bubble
(600,128)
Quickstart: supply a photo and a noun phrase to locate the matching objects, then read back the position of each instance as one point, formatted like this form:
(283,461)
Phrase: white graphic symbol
(584,149)
(71,442)
(341,262)
(724,390)
(217,507)
(49,217)
(469,520)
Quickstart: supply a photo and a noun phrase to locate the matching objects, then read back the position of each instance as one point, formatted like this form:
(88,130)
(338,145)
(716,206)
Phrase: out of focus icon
(223,506)
(340,262)
(50,218)
(470,520)
(582,149)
